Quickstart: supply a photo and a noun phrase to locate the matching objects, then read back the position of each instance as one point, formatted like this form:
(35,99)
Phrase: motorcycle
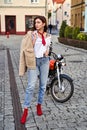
(60,85)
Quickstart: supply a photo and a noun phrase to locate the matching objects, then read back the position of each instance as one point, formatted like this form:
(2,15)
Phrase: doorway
(10,23)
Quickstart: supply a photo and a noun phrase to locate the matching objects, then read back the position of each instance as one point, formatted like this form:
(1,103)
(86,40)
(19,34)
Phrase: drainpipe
(81,15)
(46,8)
(85,16)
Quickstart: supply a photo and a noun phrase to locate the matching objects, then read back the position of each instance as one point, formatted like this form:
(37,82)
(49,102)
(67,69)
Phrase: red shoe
(39,110)
(24,116)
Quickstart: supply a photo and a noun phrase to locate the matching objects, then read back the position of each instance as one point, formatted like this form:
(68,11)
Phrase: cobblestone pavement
(71,115)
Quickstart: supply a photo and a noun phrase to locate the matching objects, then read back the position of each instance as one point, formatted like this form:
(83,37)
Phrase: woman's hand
(46,53)
(34,37)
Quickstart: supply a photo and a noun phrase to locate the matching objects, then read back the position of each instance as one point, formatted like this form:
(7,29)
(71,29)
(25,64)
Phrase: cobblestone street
(71,115)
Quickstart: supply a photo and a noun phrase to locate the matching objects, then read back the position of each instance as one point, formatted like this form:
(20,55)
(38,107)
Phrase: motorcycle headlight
(60,57)
(63,62)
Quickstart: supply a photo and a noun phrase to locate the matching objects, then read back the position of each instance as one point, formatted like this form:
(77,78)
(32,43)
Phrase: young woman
(41,41)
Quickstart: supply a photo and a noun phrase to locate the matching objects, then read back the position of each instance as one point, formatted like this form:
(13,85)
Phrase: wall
(77,13)
(66,7)
(20,9)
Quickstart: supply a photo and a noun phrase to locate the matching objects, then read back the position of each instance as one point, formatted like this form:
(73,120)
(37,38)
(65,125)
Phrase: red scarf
(43,39)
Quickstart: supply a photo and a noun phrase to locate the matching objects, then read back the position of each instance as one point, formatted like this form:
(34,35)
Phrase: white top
(39,48)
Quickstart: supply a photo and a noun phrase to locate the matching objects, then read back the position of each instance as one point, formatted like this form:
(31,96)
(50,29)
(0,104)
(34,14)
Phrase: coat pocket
(30,57)
(29,52)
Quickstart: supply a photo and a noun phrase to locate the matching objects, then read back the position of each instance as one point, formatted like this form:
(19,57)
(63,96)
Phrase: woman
(41,41)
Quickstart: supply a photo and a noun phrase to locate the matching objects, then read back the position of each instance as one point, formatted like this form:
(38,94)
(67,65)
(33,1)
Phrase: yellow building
(78,13)
(16,16)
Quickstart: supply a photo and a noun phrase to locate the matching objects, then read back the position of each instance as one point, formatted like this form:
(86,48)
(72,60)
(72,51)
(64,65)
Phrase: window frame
(65,13)
(7,1)
(35,1)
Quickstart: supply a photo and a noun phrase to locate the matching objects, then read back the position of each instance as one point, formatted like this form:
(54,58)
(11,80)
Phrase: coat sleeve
(22,64)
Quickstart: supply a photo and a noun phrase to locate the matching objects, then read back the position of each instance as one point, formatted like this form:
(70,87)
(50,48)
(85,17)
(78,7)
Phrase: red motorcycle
(60,85)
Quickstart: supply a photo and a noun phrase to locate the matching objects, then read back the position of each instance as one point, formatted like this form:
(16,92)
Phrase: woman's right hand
(34,37)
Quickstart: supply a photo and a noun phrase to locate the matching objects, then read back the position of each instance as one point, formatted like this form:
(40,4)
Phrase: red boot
(39,110)
(24,116)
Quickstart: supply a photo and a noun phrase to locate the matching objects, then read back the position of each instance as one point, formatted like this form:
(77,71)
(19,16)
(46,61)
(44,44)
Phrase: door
(10,24)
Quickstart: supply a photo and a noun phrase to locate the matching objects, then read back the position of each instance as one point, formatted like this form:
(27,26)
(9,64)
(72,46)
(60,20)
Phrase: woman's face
(39,25)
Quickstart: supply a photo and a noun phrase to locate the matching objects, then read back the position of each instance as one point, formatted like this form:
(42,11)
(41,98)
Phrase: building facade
(78,14)
(85,25)
(16,16)
(60,11)
(64,13)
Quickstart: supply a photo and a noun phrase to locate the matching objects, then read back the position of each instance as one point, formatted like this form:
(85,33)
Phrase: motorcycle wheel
(68,89)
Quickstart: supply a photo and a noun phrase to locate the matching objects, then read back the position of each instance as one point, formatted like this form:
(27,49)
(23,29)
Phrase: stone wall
(73,42)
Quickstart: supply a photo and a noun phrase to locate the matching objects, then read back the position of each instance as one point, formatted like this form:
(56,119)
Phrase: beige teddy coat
(27,56)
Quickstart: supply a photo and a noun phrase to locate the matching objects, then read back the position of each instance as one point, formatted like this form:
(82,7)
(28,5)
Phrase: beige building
(60,12)
(64,13)
(16,16)
(78,13)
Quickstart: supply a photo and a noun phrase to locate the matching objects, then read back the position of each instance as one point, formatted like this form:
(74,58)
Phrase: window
(65,13)
(29,22)
(34,1)
(8,1)
(60,7)
(68,5)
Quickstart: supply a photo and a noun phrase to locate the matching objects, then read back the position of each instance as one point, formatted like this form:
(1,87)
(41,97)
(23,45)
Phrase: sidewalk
(71,115)
(54,32)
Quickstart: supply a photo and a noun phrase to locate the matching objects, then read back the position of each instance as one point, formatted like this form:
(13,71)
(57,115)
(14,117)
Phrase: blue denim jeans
(43,69)
(30,87)
(42,66)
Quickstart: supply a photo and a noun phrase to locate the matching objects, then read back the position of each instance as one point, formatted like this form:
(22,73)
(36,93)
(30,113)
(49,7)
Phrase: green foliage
(68,32)
(86,37)
(75,32)
(82,36)
(62,29)
(71,32)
